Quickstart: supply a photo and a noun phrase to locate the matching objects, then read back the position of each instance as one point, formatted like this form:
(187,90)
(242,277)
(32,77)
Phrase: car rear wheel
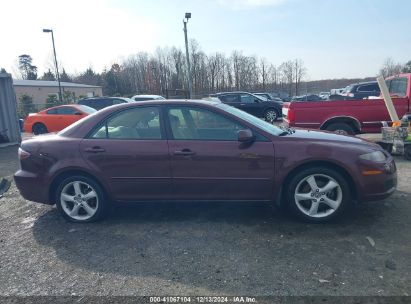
(39,128)
(80,199)
(341,128)
(318,194)
(271,115)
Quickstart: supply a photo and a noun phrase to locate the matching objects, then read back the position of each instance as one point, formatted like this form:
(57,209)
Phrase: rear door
(51,120)
(130,151)
(209,163)
(231,99)
(66,115)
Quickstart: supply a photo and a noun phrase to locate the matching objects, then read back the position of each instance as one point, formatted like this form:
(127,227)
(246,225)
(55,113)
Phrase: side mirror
(257,100)
(245,136)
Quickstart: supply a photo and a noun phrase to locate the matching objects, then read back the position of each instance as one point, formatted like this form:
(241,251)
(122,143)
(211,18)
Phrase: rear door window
(230,98)
(137,123)
(66,111)
(52,111)
(398,86)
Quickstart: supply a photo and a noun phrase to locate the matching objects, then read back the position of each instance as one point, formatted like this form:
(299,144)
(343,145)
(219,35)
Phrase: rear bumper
(31,187)
(286,122)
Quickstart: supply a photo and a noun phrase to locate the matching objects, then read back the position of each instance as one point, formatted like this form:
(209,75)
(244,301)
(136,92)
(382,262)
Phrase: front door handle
(184,152)
(95,150)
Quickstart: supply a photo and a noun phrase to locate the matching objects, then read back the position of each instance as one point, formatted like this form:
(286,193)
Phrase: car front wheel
(80,199)
(318,194)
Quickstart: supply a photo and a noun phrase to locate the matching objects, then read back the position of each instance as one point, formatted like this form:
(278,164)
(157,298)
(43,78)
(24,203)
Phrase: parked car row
(57,118)
(354,91)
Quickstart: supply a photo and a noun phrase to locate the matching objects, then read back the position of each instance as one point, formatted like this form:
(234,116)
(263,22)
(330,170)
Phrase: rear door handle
(95,150)
(184,152)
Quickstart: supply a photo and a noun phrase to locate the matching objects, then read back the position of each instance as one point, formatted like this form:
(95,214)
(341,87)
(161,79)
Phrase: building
(9,125)
(40,90)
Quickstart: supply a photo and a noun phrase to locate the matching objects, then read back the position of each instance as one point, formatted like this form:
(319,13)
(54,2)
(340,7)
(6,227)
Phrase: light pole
(185,20)
(55,61)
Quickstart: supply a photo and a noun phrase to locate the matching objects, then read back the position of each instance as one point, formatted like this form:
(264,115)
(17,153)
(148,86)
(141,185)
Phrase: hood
(329,136)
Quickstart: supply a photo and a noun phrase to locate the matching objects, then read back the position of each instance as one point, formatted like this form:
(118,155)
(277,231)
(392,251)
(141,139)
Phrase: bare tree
(299,72)
(390,68)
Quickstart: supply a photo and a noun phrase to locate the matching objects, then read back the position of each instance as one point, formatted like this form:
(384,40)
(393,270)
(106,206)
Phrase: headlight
(376,156)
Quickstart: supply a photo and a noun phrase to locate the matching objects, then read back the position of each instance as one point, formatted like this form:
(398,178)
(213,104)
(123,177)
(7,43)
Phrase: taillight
(23,154)
(291,115)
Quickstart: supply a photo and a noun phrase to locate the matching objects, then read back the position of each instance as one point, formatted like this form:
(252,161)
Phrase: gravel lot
(204,249)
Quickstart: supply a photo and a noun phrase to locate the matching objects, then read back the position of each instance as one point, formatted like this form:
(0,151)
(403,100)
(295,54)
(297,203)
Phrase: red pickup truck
(350,116)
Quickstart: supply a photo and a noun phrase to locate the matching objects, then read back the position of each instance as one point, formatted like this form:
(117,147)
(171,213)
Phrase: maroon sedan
(199,151)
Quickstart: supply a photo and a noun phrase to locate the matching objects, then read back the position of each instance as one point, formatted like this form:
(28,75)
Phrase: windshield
(260,97)
(86,109)
(128,99)
(267,127)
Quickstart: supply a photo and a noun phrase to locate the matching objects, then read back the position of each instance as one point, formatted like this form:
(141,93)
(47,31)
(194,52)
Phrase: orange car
(55,119)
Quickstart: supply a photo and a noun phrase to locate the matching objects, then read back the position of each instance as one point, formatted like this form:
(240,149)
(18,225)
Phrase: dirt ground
(207,249)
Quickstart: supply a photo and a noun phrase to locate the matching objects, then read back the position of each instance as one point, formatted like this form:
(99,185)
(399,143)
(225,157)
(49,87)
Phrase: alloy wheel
(318,195)
(79,200)
(271,115)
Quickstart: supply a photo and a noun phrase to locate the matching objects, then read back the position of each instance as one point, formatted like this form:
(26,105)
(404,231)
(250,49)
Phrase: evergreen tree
(48,76)
(27,70)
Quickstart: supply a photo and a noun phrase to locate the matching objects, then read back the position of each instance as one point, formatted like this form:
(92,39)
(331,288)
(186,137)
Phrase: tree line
(164,72)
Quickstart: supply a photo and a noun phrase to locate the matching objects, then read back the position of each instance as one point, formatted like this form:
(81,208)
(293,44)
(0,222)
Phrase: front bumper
(32,187)
(381,186)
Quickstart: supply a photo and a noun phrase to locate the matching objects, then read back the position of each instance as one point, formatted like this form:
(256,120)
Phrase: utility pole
(55,61)
(185,20)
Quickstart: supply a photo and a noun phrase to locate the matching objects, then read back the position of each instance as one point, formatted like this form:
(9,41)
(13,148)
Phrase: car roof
(234,92)
(154,96)
(61,106)
(102,97)
(364,83)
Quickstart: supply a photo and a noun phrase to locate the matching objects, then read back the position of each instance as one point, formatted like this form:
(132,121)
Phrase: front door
(130,151)
(208,162)
(251,104)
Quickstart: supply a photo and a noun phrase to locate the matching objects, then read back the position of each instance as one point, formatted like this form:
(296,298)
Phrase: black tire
(320,173)
(39,128)
(271,115)
(407,152)
(341,128)
(102,206)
